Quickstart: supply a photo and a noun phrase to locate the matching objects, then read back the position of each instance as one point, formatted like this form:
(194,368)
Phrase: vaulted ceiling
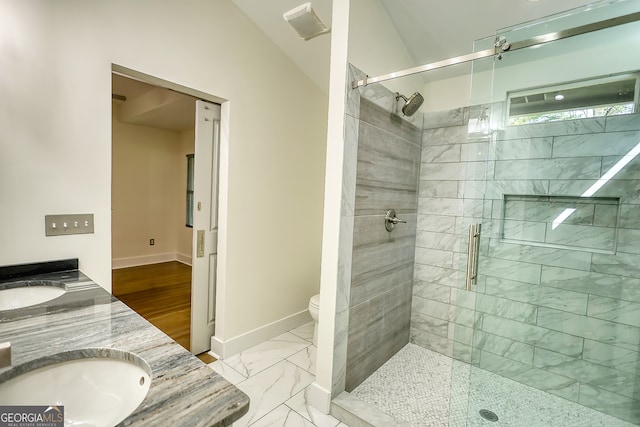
(431,30)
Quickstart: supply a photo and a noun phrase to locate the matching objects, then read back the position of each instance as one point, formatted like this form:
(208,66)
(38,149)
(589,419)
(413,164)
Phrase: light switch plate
(61,225)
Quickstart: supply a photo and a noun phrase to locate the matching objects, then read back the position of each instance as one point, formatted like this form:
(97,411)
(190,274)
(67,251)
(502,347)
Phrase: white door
(205,225)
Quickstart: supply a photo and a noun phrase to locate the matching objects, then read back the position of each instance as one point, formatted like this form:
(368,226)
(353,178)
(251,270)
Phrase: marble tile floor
(276,375)
(425,388)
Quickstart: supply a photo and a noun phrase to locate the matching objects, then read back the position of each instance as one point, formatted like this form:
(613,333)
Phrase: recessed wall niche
(579,223)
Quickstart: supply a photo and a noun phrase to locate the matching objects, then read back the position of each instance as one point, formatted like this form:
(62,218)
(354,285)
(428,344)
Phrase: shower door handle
(476,253)
(472,256)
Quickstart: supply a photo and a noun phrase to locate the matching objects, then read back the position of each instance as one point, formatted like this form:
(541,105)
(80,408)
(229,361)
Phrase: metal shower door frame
(501,46)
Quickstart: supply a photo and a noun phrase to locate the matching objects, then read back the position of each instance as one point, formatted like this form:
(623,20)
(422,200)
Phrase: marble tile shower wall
(441,311)
(561,320)
(388,153)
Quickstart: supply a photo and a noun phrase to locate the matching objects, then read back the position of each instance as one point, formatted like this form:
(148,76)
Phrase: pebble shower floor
(415,386)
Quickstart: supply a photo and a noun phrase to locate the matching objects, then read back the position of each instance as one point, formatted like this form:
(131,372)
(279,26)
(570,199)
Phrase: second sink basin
(25,294)
(96,386)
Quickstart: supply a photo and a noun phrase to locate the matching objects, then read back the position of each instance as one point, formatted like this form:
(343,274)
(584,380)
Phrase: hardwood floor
(161,293)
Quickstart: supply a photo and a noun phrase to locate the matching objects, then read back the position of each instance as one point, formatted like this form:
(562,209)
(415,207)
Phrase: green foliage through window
(581,113)
(582,99)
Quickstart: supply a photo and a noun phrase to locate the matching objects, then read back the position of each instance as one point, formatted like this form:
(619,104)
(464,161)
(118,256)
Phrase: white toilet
(314,311)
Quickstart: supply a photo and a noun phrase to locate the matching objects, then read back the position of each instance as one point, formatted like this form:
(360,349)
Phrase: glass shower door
(556,330)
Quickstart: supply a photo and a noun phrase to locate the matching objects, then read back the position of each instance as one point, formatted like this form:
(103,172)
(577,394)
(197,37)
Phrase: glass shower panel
(557,299)
(472,172)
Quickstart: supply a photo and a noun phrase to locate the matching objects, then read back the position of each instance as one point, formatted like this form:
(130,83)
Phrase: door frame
(223,177)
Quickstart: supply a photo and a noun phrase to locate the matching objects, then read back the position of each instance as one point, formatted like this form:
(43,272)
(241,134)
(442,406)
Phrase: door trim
(223,176)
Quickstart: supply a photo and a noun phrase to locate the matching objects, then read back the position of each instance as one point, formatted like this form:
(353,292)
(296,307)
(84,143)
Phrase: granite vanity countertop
(183,391)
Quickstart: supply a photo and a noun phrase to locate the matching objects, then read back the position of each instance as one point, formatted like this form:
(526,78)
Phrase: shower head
(411,104)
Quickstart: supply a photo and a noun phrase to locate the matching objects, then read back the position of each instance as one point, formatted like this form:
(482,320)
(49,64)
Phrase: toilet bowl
(314,311)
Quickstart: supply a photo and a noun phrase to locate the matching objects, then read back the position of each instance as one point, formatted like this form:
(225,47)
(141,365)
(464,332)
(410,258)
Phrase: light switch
(59,225)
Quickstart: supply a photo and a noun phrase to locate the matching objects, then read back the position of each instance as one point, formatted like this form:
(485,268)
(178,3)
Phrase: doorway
(153,246)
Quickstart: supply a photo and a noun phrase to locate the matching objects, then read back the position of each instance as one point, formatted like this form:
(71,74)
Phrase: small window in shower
(600,97)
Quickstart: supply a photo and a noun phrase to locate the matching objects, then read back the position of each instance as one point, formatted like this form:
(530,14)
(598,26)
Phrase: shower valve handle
(390,220)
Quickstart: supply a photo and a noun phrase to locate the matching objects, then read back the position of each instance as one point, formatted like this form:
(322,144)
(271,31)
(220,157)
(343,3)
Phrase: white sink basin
(97,387)
(25,294)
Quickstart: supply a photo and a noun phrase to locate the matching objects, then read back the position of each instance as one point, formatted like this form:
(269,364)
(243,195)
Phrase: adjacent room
(153,146)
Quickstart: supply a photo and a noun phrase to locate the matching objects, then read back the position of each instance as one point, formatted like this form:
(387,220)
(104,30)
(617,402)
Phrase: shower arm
(500,46)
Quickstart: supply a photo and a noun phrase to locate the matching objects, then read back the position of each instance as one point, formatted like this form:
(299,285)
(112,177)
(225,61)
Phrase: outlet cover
(64,224)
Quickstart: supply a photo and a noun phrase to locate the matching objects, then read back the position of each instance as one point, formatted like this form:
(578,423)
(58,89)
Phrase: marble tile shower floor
(415,386)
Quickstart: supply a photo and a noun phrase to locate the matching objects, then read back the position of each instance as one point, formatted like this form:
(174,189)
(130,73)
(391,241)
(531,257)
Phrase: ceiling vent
(305,21)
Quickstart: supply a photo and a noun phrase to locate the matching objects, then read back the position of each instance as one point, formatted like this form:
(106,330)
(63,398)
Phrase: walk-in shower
(547,332)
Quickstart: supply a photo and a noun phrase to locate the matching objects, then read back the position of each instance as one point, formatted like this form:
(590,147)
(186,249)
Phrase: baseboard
(249,339)
(183,258)
(319,398)
(149,259)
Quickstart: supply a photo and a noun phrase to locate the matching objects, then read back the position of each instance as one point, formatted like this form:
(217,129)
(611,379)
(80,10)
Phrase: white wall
(376,48)
(446,94)
(320,392)
(55,133)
